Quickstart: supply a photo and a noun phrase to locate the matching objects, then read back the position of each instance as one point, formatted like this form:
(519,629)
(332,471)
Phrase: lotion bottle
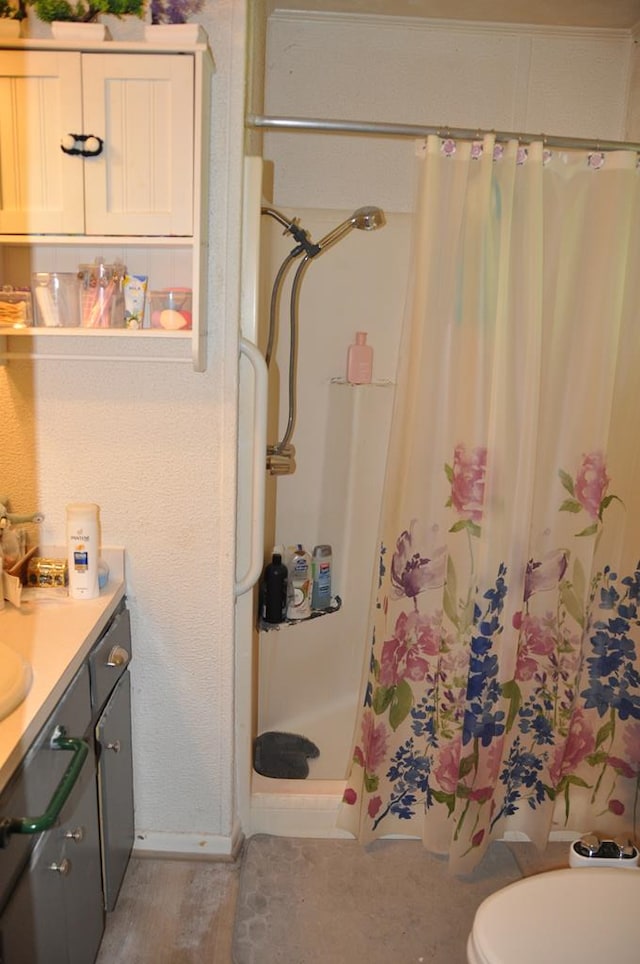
(299,595)
(83,549)
(360,361)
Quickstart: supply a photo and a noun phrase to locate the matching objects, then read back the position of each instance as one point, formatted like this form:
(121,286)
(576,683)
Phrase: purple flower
(412,573)
(174,11)
(546,574)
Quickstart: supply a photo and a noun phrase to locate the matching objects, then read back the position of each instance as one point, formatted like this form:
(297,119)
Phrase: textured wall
(154,444)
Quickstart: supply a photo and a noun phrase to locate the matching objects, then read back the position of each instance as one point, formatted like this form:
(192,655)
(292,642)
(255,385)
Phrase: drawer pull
(115,746)
(59,741)
(77,834)
(63,868)
(118,657)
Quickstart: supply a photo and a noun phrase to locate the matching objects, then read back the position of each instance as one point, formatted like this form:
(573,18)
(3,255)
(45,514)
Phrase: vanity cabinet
(54,911)
(104,154)
(56,884)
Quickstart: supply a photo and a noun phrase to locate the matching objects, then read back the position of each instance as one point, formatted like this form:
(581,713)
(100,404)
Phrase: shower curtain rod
(383,129)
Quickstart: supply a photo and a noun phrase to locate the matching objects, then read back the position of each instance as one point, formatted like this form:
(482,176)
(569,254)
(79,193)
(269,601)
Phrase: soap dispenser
(360,361)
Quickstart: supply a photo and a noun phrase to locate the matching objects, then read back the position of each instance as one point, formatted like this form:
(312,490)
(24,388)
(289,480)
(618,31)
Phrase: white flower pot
(71,30)
(172,33)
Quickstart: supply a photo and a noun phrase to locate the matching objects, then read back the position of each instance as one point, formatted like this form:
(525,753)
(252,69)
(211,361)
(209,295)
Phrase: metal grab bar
(80,749)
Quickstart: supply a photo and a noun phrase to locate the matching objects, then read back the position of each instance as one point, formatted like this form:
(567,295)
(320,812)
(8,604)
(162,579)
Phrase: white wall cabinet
(137,193)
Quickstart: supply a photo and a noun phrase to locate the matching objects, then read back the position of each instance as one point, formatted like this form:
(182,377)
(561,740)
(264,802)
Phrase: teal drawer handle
(60,741)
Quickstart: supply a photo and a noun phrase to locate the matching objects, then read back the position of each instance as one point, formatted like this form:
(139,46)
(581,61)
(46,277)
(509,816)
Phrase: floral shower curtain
(503,688)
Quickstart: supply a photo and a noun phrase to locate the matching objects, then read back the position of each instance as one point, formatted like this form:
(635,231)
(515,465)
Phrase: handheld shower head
(365,219)
(369,218)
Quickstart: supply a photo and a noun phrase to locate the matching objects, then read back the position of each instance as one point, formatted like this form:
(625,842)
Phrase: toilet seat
(585,915)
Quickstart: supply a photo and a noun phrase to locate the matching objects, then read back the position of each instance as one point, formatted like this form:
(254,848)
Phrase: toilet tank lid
(584,914)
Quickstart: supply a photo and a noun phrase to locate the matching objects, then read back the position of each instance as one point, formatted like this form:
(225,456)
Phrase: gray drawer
(32,786)
(109,659)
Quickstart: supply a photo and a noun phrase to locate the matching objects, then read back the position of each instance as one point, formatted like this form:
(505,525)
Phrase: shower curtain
(502,692)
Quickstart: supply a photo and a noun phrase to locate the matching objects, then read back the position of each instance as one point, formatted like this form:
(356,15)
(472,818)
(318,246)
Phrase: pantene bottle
(83,549)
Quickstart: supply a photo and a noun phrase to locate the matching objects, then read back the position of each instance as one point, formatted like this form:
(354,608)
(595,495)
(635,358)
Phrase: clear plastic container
(56,299)
(16,309)
(171,308)
(101,296)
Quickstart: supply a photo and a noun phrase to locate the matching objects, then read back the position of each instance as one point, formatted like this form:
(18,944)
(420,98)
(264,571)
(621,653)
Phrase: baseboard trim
(187,846)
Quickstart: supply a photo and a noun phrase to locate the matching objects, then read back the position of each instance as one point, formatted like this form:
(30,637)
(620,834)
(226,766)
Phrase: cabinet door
(32,926)
(79,851)
(41,188)
(115,786)
(55,914)
(143,109)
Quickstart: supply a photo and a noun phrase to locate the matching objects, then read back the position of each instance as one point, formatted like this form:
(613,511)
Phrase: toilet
(581,915)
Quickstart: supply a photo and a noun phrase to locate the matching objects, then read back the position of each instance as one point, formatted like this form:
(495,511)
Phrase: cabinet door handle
(59,741)
(92,145)
(63,868)
(118,657)
(115,746)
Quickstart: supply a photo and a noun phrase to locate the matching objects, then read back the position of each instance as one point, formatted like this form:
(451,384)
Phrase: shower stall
(306,676)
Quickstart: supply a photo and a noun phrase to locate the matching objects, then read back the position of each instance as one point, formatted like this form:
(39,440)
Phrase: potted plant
(61,13)
(12,13)
(169,20)
(174,11)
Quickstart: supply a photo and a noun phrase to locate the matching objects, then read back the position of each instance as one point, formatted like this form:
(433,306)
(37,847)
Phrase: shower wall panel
(491,76)
(310,673)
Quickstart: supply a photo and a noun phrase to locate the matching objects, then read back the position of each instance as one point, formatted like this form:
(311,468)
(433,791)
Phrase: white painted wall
(154,445)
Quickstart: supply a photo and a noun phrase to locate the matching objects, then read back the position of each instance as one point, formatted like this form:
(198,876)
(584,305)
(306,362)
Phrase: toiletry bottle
(275,590)
(299,604)
(360,360)
(83,549)
(321,573)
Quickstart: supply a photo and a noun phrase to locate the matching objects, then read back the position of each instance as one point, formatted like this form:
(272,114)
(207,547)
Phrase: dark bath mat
(283,755)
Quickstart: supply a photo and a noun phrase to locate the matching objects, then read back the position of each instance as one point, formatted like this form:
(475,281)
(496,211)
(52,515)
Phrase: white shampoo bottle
(83,549)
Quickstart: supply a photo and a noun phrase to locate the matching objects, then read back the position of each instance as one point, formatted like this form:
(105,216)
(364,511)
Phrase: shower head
(369,218)
(365,219)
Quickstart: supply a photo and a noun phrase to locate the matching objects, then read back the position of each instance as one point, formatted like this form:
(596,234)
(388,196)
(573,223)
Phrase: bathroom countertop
(54,635)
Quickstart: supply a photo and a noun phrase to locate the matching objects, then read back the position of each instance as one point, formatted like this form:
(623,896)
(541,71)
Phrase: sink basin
(15,680)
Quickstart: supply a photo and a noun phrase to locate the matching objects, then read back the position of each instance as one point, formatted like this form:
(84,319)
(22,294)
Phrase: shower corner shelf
(336,604)
(376,383)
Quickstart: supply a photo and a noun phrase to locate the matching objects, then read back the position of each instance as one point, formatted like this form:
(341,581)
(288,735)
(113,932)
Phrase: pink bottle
(360,361)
